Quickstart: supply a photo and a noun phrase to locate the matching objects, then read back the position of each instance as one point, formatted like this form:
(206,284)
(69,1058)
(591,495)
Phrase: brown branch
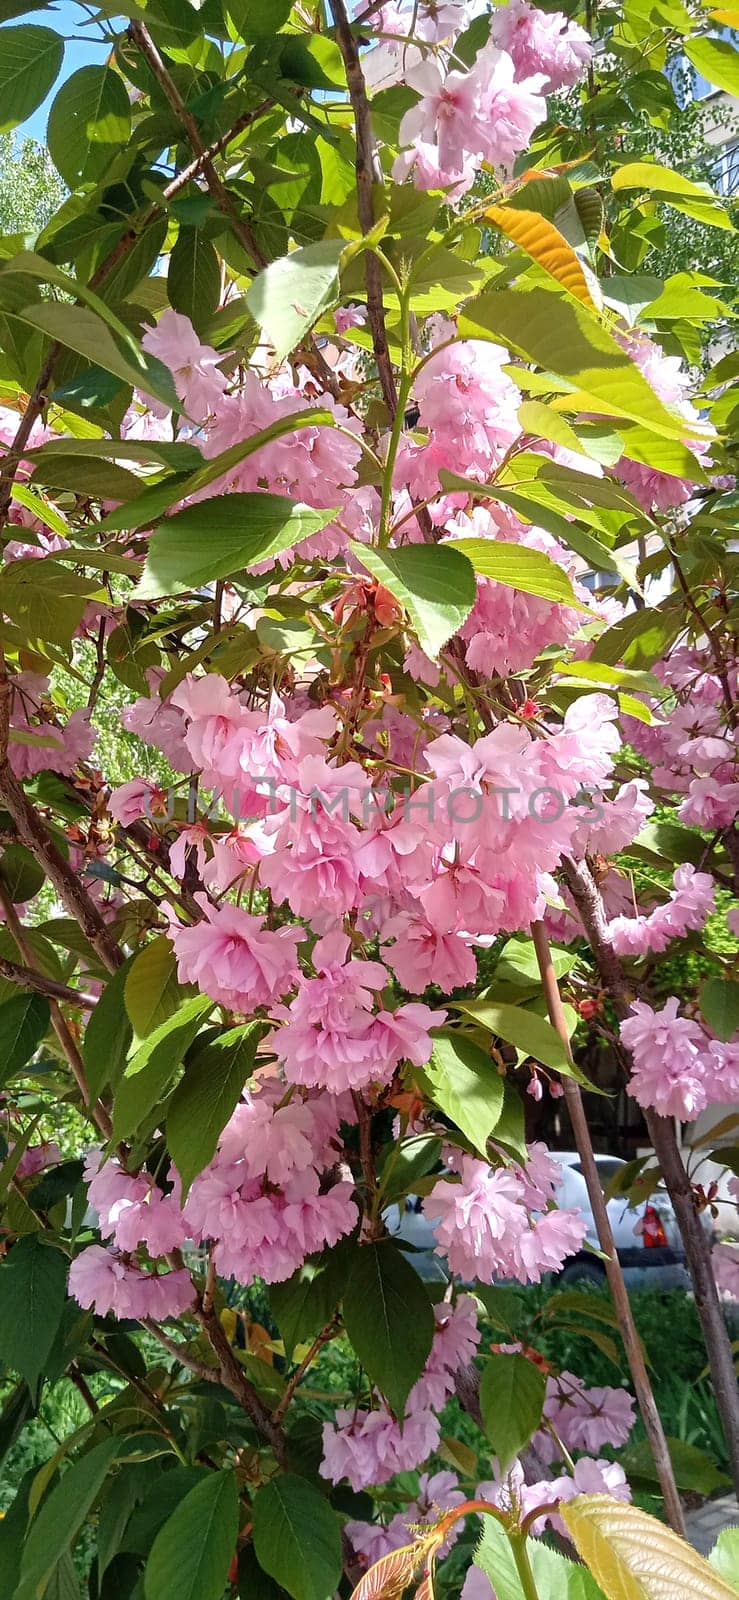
(180,1353)
(705,627)
(324,1337)
(96,1110)
(27,978)
(589,902)
(75,899)
(233,1377)
(622,1305)
(369,173)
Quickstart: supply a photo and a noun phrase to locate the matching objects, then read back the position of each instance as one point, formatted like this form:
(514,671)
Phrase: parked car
(646,1235)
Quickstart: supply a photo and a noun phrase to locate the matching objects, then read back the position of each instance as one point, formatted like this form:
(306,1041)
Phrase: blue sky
(81,47)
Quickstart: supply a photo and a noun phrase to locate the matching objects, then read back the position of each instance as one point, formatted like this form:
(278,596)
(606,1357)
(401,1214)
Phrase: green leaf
(716,60)
(289,295)
(555,1577)
(80,329)
(517,567)
(719,1002)
(297,1537)
(529,1033)
(694,200)
(192,1552)
(108,1034)
(194,276)
(206,1096)
(63,1583)
(405,1163)
(153,503)
(88,123)
(45,600)
(56,1524)
(570,341)
(724,1557)
(30,58)
(512,1394)
(304,1303)
(518,964)
(465,1084)
(33,1288)
(24,1020)
(151,991)
(695,1472)
(635,1557)
(149,1072)
(434,583)
(219,537)
(21,873)
(389,1319)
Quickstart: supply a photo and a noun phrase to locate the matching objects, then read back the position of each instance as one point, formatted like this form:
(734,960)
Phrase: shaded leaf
(389,1319)
(434,583)
(512,1394)
(192,1552)
(206,1096)
(297,1537)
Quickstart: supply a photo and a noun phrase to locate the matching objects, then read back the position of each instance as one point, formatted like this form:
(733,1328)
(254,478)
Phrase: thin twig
(96,1110)
(27,978)
(614,1272)
(369,172)
(589,901)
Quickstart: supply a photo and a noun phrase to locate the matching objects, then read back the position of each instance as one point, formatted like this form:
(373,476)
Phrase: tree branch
(26,978)
(627,1327)
(369,173)
(74,897)
(589,902)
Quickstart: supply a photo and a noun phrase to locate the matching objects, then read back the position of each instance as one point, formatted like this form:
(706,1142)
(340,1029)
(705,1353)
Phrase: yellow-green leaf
(634,1557)
(544,243)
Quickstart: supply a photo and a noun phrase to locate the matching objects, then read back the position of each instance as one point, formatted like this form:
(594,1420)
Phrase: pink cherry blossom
(668,1054)
(232,957)
(199,382)
(135,799)
(546,42)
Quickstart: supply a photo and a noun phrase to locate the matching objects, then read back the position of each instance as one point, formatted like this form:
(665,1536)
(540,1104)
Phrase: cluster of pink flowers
(274,1193)
(333,1037)
(692,750)
(501,1222)
(463,118)
(105,1282)
(678,1068)
(686,911)
(370,1447)
(232,957)
(38,744)
(583,1418)
(438,1491)
(541,41)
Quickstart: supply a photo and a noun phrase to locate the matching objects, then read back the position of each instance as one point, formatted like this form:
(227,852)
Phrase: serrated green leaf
(465,1084)
(512,1394)
(192,1552)
(297,1538)
(434,583)
(389,1319)
(206,1096)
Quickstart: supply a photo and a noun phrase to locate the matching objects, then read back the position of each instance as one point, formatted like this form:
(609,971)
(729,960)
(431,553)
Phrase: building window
(725,173)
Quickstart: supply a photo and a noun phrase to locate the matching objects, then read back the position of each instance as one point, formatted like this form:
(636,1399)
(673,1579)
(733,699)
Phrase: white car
(646,1235)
